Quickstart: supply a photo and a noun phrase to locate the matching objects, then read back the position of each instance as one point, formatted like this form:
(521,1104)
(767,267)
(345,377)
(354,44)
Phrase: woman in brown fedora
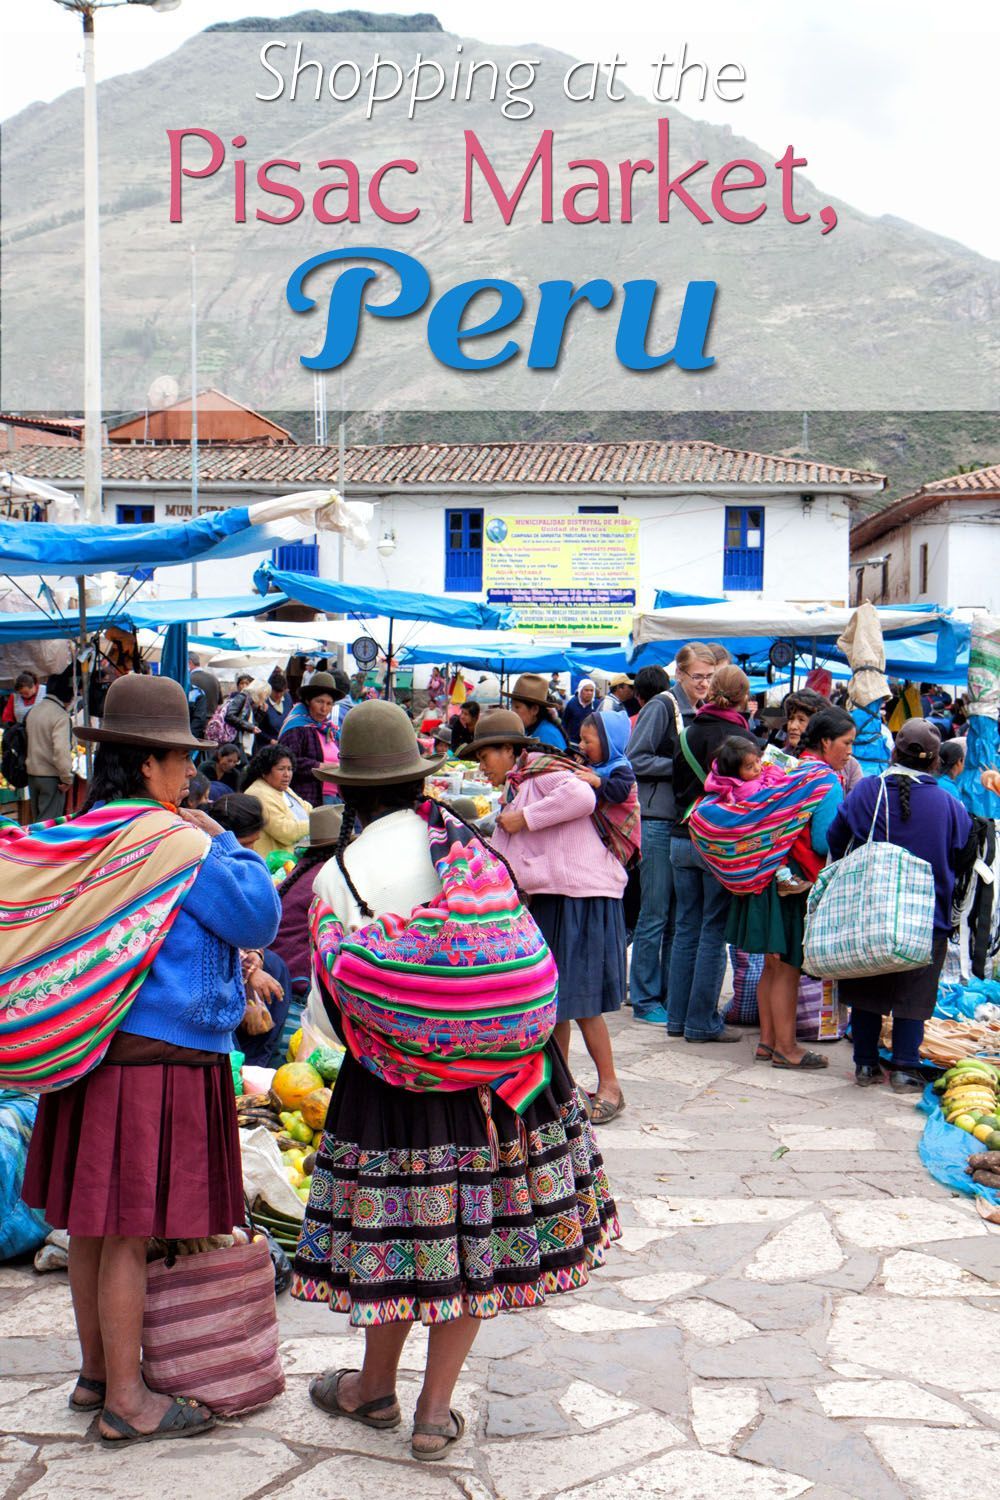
(310,732)
(418,1212)
(529,698)
(146,1144)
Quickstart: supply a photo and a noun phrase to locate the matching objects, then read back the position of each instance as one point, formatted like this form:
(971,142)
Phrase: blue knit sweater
(193,994)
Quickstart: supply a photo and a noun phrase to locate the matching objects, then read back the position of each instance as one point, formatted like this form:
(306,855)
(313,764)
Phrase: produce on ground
(296,1140)
(948,1042)
(293,1083)
(970,1099)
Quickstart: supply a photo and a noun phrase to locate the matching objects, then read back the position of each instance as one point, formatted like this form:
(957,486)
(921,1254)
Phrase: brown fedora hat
(501,726)
(378,744)
(325,824)
(322,682)
(530,687)
(142,710)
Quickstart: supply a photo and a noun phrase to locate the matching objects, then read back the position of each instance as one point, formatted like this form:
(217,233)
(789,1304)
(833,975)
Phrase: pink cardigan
(560,853)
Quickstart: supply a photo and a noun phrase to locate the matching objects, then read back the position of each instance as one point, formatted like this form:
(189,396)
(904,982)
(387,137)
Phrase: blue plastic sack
(958,1002)
(21,1228)
(945,1151)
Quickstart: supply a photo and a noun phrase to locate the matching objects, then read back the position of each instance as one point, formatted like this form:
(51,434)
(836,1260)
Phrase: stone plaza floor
(796,1308)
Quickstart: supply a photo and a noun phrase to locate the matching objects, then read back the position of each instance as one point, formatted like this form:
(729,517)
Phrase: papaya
(293,1083)
(314,1109)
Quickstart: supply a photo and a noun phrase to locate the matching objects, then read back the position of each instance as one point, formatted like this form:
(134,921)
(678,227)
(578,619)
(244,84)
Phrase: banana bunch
(970,1099)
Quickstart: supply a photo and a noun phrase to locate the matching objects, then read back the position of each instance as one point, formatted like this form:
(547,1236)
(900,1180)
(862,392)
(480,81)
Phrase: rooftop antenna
(319,409)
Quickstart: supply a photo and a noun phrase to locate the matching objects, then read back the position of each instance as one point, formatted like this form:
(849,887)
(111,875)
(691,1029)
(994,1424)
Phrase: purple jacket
(305,744)
(292,941)
(938,830)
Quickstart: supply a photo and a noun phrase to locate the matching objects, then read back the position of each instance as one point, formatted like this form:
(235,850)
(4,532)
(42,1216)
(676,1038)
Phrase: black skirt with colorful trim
(414,1216)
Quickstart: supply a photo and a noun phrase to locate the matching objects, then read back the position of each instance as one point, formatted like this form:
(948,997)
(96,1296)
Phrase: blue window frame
(463,551)
(137,515)
(298,557)
(743,553)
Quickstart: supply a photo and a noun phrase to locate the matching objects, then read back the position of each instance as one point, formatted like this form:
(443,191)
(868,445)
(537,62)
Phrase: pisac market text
(451,326)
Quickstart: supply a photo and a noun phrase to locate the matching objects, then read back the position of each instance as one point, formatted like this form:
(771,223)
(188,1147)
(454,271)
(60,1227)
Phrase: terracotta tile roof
(71,426)
(631,464)
(971,486)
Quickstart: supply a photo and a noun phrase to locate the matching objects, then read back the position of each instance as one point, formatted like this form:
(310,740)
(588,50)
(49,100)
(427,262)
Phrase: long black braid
(913,760)
(346,834)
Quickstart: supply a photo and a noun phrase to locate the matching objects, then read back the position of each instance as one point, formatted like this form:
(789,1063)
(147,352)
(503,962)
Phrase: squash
(314,1108)
(293,1083)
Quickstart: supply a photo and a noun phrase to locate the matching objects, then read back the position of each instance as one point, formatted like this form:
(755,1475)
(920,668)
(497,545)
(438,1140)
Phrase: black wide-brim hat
(145,711)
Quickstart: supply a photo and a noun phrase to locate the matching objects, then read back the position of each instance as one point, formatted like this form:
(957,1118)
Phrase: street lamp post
(92,403)
(92,412)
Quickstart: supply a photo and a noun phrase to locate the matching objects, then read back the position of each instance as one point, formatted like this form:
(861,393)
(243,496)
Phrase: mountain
(877,316)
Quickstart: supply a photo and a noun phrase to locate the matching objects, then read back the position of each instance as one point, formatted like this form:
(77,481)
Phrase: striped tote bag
(210,1328)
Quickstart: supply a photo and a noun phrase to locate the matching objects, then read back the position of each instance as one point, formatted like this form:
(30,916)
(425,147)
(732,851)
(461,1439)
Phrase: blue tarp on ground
(945,1151)
(34,547)
(151,614)
(395,604)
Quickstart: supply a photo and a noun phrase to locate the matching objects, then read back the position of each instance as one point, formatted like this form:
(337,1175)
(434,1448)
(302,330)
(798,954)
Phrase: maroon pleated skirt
(139,1150)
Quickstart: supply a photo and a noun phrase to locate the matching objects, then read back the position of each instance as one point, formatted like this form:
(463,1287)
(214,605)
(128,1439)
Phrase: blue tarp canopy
(395,604)
(154,614)
(35,547)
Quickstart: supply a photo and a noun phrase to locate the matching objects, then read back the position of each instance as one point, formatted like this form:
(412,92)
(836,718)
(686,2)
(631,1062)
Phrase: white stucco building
(711,520)
(939,545)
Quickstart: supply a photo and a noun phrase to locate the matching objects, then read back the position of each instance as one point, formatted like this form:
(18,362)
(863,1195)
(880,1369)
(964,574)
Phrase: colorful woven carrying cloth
(744,841)
(459,994)
(84,907)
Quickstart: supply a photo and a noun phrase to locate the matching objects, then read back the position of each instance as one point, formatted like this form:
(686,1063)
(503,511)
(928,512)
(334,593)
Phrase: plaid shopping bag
(870,913)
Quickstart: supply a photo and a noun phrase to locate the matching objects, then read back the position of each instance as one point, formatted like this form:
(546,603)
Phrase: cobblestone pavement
(815,1321)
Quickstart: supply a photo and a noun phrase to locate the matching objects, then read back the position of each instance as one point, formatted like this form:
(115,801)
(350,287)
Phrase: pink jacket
(560,853)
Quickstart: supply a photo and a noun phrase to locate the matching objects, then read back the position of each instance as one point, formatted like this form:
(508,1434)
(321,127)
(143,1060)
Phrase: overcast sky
(899,120)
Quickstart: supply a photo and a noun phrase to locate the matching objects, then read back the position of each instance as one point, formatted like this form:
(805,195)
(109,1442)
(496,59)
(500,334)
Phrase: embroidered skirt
(412,1216)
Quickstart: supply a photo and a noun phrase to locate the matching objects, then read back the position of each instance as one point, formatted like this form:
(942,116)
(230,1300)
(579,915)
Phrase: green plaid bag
(871,912)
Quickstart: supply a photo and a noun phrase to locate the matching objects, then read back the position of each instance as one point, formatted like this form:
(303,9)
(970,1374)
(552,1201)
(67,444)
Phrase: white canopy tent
(762,617)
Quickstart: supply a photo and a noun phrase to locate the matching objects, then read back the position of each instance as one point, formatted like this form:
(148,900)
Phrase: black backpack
(14,756)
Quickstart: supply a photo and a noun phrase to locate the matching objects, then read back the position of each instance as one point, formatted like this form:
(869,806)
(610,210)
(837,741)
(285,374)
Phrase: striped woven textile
(744,841)
(84,906)
(459,994)
(210,1328)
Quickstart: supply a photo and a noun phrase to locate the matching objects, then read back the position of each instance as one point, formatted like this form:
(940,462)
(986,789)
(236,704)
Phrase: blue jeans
(655,927)
(698,956)
(866,1029)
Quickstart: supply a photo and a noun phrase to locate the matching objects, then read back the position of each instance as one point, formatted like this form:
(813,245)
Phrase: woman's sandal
(180,1420)
(603,1111)
(437,1429)
(808,1061)
(98,1388)
(763,1053)
(323,1393)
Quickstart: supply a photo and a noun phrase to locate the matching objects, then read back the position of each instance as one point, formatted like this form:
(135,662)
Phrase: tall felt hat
(531,687)
(501,726)
(378,744)
(323,682)
(324,826)
(142,710)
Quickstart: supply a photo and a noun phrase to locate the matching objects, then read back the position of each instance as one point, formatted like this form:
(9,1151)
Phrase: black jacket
(704,737)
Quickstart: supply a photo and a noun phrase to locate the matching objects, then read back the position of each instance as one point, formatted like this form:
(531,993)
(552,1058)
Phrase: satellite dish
(163,392)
